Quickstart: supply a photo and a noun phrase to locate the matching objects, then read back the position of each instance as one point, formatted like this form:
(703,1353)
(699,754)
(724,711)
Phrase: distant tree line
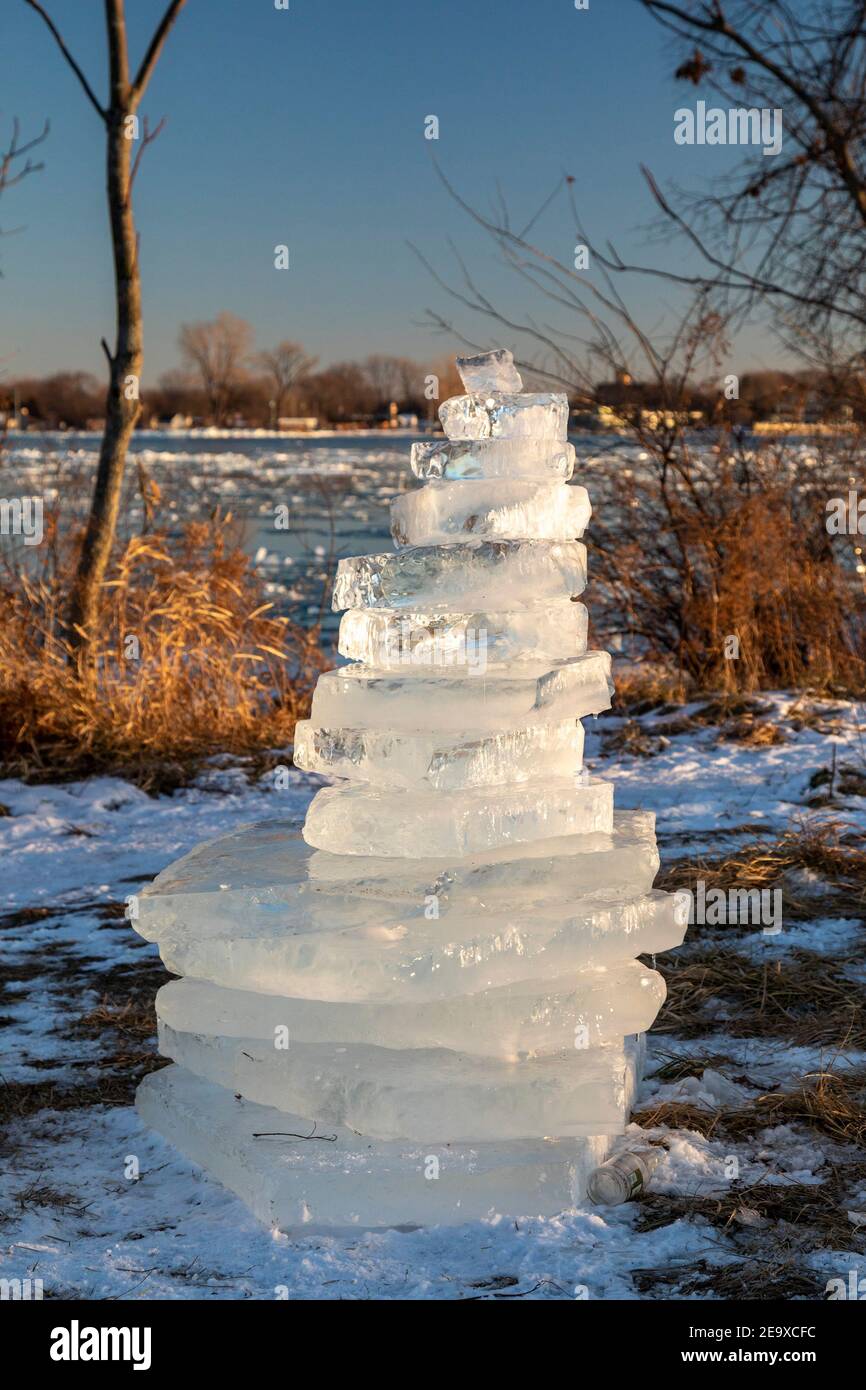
(223,381)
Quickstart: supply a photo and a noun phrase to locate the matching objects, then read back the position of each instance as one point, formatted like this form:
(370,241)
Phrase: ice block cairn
(428,1009)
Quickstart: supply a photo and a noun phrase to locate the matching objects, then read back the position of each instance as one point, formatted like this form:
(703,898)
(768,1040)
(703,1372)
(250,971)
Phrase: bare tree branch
(717,24)
(786,234)
(151,57)
(147,138)
(89,92)
(14,151)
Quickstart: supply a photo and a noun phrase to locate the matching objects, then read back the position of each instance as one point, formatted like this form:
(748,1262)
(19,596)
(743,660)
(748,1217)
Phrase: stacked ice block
(428,1009)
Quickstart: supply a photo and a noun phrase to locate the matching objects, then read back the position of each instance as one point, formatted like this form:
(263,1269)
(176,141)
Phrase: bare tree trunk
(123,405)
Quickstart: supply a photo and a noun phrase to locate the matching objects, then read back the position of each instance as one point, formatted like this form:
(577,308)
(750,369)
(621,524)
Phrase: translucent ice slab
(412,700)
(303,911)
(391,961)
(362,820)
(267,873)
(430,1094)
(513,876)
(390,638)
(441,762)
(344,1182)
(542,459)
(489,371)
(506,415)
(532,1018)
(484,574)
(443,512)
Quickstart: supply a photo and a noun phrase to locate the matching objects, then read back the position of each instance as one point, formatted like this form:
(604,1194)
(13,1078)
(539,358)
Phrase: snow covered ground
(76,1033)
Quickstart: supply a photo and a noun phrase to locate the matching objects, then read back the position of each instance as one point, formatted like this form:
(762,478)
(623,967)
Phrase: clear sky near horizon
(306,127)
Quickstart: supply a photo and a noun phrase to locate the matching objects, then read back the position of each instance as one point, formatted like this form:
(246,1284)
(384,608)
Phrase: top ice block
(489,371)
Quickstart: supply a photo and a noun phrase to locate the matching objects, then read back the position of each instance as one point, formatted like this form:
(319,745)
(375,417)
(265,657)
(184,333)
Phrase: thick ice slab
(481,574)
(543,459)
(353,1182)
(478,700)
(529,1019)
(506,415)
(266,873)
(392,961)
(303,908)
(443,512)
(441,762)
(392,639)
(429,1094)
(556,869)
(489,371)
(363,820)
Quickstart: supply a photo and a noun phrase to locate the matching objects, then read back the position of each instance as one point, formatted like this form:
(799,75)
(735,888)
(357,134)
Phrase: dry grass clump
(817,1215)
(676,1067)
(831,851)
(754,733)
(133,1019)
(189,660)
(720,570)
(752,1279)
(632,739)
(20,1100)
(806,998)
(644,687)
(830,1103)
(735,719)
(42,1196)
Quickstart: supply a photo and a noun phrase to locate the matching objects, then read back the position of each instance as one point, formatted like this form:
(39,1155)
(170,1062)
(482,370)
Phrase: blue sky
(306,127)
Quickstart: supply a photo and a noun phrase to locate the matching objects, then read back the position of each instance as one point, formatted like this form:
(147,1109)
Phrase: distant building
(604,416)
(298,423)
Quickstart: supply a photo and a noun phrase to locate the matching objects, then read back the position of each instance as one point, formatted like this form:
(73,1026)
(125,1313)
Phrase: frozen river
(332,488)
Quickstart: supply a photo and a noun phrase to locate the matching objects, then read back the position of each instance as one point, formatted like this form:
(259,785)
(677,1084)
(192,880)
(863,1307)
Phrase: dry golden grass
(20,1100)
(133,1019)
(190,661)
(725,577)
(830,1103)
(832,853)
(802,1206)
(806,998)
(645,687)
(754,733)
(735,718)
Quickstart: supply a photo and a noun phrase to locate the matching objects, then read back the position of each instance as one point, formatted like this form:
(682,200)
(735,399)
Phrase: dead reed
(716,568)
(189,660)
